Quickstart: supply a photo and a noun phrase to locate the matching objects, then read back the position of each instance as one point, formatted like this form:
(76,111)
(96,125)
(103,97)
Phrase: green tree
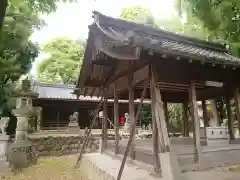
(63,65)
(146,114)
(221,18)
(36,6)
(17,52)
(138,14)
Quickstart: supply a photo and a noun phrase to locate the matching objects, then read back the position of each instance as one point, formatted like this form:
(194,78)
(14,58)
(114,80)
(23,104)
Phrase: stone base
(169,166)
(4,142)
(73,128)
(21,155)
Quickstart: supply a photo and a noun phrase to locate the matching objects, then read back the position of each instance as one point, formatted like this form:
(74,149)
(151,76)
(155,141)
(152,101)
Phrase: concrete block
(170,167)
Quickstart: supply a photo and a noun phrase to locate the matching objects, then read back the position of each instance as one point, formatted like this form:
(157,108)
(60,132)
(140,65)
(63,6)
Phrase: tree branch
(3,6)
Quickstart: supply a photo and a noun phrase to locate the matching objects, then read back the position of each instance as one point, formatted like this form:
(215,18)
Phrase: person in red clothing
(121,120)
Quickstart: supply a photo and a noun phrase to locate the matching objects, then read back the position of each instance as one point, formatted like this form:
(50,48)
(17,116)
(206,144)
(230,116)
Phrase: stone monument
(127,124)
(73,124)
(4,141)
(217,136)
(21,153)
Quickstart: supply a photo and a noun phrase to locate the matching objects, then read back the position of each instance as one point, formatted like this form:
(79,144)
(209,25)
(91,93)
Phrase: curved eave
(160,41)
(86,61)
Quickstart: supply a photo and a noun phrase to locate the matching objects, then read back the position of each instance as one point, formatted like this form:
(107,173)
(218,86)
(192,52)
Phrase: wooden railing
(54,125)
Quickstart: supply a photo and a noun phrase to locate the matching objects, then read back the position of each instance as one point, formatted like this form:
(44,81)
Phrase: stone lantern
(21,152)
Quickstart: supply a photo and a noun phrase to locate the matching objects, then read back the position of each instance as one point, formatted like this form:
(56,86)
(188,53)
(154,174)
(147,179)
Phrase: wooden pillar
(229,116)
(105,124)
(205,115)
(185,119)
(116,120)
(215,113)
(169,165)
(196,123)
(237,104)
(131,113)
(166,115)
(155,138)
(132,133)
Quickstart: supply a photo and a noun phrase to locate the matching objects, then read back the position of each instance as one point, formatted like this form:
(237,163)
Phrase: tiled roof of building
(146,37)
(65,92)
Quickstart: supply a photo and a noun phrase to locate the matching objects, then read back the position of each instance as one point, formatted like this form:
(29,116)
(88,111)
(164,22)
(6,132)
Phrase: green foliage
(63,65)
(146,114)
(138,14)
(175,116)
(17,52)
(222,18)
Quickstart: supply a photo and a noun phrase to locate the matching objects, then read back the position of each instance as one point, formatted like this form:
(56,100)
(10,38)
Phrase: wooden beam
(127,72)
(116,120)
(205,115)
(132,133)
(138,77)
(196,123)
(155,136)
(215,112)
(237,104)
(229,115)
(131,112)
(105,124)
(166,114)
(159,114)
(185,119)
(104,62)
(169,165)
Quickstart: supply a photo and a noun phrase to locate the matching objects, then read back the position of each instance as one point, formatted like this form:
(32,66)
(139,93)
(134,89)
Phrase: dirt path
(49,168)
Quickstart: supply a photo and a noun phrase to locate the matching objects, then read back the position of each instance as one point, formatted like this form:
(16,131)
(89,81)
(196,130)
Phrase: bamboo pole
(132,133)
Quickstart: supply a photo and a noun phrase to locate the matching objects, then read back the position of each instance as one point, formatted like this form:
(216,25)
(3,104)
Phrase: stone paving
(111,165)
(213,174)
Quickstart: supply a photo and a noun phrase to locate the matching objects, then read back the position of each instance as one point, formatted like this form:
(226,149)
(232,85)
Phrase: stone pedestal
(21,153)
(4,143)
(217,136)
(203,136)
(73,127)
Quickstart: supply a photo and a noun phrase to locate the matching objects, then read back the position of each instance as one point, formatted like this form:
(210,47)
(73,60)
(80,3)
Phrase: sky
(72,19)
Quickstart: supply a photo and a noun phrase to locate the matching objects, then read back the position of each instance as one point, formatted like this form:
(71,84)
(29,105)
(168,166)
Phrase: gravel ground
(62,168)
(48,168)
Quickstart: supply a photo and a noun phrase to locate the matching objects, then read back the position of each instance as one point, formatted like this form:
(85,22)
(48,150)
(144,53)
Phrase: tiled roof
(65,92)
(149,38)
(52,91)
